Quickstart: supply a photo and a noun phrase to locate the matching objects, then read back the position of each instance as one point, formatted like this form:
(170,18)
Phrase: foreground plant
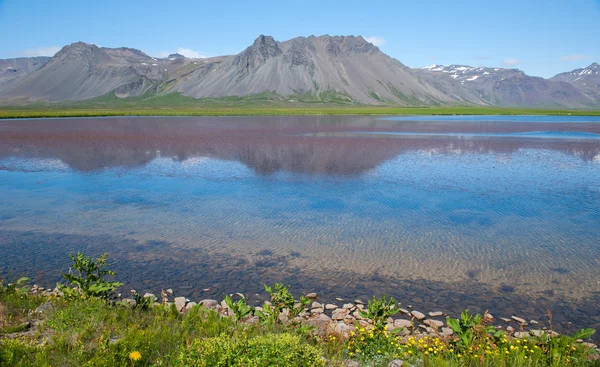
(89,279)
(240,309)
(281,301)
(379,310)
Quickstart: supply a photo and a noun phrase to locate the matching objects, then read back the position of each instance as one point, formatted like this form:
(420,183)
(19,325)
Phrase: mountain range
(344,69)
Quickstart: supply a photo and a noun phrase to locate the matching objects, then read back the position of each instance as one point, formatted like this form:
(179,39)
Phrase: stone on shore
(190,305)
(434,323)
(339,314)
(505,319)
(150,295)
(436,314)
(209,303)
(401,323)
(447,331)
(312,295)
(180,303)
(519,320)
(46,307)
(417,315)
(330,306)
(320,321)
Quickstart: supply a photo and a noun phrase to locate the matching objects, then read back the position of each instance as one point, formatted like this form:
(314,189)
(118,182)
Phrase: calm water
(486,212)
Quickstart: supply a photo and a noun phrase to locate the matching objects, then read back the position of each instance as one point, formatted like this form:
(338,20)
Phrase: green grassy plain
(265,104)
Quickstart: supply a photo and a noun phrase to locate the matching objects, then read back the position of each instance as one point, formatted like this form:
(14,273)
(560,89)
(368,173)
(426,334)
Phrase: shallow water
(499,213)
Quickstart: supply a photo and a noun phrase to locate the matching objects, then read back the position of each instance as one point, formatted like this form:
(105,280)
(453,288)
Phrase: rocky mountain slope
(350,67)
(506,87)
(586,79)
(341,68)
(11,70)
(82,71)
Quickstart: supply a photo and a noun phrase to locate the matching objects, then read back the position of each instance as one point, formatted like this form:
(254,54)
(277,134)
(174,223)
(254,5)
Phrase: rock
(351,363)
(348,306)
(339,328)
(434,323)
(505,319)
(447,331)
(126,302)
(190,305)
(254,320)
(435,314)
(320,321)
(510,329)
(316,305)
(180,303)
(360,306)
(339,299)
(58,293)
(417,315)
(533,322)
(401,323)
(589,345)
(519,320)
(312,295)
(330,306)
(209,303)
(397,363)
(339,314)
(316,310)
(537,332)
(150,295)
(521,334)
(170,292)
(404,311)
(46,307)
(358,302)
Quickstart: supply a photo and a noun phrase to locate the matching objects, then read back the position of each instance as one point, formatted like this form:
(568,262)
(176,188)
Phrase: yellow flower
(135,356)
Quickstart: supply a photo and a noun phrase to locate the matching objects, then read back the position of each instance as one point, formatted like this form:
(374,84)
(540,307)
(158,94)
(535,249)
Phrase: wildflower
(135,356)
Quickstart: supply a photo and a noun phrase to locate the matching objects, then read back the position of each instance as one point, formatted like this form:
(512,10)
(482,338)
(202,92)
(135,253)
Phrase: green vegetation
(89,281)
(324,103)
(49,330)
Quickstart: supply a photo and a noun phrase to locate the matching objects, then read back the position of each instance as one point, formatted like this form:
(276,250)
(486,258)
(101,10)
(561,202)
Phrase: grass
(96,332)
(267,104)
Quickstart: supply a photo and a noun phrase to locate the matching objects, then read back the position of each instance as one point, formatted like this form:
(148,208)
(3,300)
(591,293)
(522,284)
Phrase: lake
(496,213)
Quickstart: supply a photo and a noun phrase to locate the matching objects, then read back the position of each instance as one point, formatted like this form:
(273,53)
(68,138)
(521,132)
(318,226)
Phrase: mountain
(349,67)
(12,70)
(586,79)
(82,71)
(344,69)
(505,87)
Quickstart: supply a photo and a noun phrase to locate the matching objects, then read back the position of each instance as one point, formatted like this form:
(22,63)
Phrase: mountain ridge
(347,67)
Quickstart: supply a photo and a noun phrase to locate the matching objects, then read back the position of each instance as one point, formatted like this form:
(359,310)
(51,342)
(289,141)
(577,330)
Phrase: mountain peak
(263,48)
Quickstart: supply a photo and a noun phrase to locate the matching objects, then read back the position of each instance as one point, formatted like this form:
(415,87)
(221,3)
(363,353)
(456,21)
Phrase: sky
(541,37)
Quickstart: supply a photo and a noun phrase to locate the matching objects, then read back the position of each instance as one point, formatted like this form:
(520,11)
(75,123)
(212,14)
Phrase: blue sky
(540,37)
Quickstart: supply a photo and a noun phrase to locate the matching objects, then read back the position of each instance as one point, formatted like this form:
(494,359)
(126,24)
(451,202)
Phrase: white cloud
(187,52)
(511,62)
(377,41)
(576,57)
(43,51)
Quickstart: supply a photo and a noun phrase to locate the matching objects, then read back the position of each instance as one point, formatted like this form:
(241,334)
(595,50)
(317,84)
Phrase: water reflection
(322,146)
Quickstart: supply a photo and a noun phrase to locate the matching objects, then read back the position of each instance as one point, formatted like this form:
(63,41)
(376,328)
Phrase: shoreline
(17,112)
(348,333)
